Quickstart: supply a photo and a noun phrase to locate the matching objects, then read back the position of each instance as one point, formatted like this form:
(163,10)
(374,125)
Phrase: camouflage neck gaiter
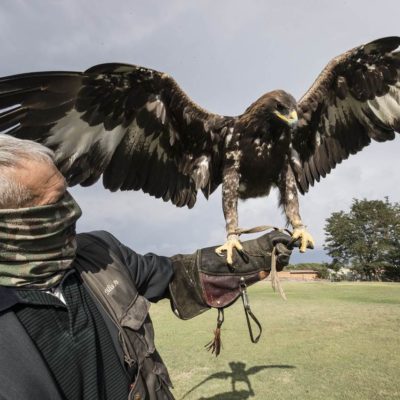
(37,244)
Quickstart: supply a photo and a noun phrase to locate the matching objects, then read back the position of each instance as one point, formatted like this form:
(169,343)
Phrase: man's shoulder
(96,238)
(97,248)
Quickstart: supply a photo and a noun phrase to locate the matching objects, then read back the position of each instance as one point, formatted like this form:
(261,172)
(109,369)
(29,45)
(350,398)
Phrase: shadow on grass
(240,395)
(238,373)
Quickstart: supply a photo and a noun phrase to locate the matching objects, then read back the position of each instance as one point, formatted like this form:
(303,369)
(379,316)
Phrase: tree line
(363,243)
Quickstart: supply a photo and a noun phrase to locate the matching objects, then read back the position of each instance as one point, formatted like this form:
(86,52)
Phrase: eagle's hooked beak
(291,119)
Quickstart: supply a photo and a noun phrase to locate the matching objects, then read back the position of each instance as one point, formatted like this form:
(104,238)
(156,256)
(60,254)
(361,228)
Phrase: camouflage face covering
(37,244)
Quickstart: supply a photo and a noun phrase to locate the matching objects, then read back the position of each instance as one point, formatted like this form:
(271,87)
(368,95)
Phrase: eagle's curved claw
(232,243)
(306,240)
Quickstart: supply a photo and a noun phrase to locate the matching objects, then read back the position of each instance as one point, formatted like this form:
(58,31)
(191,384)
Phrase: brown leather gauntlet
(204,279)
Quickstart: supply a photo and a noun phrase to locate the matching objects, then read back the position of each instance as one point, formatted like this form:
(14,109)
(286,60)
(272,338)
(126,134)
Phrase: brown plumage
(135,127)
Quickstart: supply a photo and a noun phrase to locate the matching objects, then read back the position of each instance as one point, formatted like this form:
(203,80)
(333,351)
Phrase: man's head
(37,217)
(28,176)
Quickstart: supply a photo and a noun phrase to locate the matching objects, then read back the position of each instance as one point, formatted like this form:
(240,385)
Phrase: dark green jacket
(24,374)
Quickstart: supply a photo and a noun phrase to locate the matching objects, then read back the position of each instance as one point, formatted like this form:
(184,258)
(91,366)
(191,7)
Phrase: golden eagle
(139,130)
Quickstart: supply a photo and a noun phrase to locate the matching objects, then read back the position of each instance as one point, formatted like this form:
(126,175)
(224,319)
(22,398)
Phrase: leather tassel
(215,345)
(275,283)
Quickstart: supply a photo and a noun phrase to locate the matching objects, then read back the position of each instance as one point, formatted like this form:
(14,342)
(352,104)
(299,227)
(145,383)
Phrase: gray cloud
(225,54)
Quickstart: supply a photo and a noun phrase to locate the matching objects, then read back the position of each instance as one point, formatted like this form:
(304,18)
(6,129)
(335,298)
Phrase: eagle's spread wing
(131,124)
(356,98)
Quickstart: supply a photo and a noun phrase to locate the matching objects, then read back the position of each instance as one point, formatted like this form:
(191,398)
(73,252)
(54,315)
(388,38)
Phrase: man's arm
(201,280)
(151,273)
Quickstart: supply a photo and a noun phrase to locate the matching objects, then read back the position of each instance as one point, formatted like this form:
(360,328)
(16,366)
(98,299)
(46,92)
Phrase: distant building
(298,275)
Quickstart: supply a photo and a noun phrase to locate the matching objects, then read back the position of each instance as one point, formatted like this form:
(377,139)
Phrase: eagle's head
(283,106)
(277,108)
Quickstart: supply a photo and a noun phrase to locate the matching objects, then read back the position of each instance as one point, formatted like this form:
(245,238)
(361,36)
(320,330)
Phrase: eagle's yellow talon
(306,240)
(232,243)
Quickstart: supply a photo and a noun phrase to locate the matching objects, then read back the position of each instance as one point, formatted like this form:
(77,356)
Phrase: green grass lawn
(327,341)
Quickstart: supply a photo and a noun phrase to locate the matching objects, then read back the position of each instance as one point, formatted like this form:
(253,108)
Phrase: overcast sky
(224,54)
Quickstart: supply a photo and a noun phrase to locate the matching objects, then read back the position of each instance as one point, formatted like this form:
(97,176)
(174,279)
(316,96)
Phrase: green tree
(366,239)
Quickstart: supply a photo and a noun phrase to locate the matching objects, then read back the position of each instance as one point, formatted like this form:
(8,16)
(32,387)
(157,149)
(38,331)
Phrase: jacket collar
(8,298)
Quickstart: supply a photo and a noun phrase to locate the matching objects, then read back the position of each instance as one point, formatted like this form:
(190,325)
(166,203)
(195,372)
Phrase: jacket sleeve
(150,272)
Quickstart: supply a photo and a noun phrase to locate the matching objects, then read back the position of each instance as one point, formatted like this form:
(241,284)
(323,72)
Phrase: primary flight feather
(137,128)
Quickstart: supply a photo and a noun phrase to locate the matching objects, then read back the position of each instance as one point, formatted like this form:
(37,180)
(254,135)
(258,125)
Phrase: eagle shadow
(238,373)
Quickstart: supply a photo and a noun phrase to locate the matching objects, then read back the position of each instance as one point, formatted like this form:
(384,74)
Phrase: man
(74,318)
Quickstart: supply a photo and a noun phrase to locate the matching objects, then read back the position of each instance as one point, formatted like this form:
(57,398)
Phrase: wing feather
(355,99)
(133,126)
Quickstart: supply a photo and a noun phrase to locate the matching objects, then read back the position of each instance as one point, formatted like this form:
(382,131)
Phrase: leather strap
(257,229)
(274,275)
(249,314)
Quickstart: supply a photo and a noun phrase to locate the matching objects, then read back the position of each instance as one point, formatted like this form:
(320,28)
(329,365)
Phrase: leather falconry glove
(203,279)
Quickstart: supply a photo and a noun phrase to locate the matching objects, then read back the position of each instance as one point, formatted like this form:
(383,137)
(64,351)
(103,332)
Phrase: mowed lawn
(327,341)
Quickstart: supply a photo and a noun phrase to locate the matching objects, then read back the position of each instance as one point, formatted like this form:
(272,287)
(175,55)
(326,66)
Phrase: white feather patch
(74,137)
(387,107)
(201,173)
(157,107)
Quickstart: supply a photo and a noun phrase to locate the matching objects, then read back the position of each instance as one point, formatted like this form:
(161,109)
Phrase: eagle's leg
(230,187)
(290,202)
(231,243)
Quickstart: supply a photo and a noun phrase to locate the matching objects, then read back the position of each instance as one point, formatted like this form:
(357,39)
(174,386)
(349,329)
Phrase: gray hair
(13,151)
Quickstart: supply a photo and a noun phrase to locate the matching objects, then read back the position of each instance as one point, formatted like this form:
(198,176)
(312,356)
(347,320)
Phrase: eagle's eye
(280,107)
